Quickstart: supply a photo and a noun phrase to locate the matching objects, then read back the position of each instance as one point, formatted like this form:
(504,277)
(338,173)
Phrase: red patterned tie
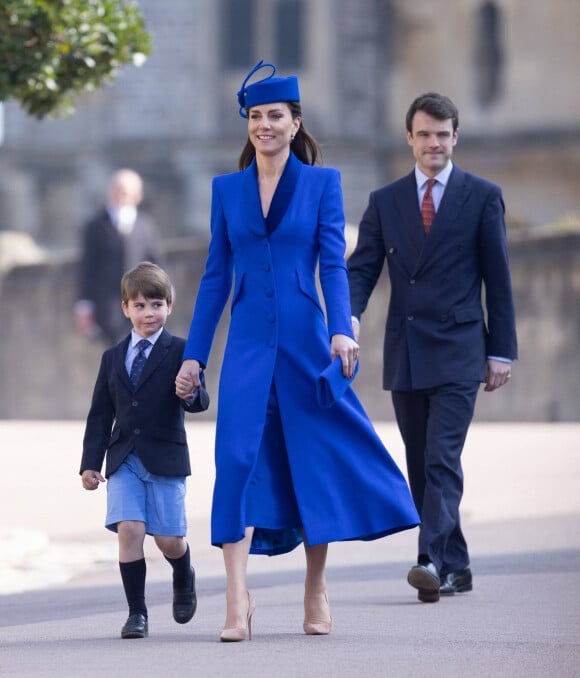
(427,206)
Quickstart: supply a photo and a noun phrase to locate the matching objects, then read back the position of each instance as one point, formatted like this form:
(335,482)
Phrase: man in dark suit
(114,240)
(443,235)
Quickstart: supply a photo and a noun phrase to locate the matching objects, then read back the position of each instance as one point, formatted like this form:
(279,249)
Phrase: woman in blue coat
(291,464)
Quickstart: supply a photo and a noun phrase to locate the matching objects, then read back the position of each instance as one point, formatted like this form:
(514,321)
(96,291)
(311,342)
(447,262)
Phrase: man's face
(432,142)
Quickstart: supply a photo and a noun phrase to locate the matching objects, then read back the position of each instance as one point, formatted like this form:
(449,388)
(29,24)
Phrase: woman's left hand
(347,348)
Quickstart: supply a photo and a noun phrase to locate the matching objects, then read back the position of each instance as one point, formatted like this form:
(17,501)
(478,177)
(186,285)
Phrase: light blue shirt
(132,350)
(439,186)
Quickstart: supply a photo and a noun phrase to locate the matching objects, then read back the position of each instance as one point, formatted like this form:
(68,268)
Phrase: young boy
(136,419)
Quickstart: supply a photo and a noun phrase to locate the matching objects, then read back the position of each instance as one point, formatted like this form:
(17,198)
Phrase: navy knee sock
(181,570)
(133,577)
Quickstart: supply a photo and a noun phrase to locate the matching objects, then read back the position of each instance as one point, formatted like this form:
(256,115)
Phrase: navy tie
(139,361)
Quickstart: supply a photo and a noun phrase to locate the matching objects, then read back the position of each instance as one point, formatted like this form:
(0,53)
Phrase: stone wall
(47,371)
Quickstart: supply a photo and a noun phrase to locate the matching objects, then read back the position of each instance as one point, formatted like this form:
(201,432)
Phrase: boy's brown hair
(147,279)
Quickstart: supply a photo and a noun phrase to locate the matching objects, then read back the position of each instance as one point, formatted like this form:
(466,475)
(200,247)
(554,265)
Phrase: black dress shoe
(425,578)
(185,602)
(459,581)
(135,627)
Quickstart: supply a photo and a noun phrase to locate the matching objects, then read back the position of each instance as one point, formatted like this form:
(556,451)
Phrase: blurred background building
(510,66)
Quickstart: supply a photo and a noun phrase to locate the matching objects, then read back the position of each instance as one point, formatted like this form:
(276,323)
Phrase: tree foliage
(51,50)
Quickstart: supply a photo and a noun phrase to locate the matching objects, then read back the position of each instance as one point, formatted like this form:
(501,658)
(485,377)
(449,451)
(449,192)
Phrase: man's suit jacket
(106,255)
(148,418)
(437,331)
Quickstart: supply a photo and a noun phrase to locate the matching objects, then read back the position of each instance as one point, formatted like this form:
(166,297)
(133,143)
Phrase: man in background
(114,240)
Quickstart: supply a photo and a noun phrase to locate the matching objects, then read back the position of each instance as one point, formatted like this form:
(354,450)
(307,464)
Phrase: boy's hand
(91,479)
(187,380)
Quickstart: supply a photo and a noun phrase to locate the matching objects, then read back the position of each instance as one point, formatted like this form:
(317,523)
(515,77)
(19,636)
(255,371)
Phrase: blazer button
(137,431)
(392,250)
(412,281)
(269,292)
(134,403)
(410,317)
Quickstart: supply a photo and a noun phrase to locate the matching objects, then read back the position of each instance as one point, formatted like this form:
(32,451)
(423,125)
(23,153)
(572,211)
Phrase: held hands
(187,381)
(91,479)
(347,348)
(497,374)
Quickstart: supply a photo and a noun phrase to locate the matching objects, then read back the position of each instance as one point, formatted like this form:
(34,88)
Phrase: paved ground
(61,604)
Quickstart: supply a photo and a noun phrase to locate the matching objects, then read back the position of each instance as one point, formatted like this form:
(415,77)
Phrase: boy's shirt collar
(136,338)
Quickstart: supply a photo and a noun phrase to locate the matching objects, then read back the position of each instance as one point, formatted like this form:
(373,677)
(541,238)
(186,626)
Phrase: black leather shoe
(459,581)
(425,578)
(185,602)
(135,627)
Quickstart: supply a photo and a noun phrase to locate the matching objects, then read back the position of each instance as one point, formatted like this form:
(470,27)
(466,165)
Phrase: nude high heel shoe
(314,623)
(235,634)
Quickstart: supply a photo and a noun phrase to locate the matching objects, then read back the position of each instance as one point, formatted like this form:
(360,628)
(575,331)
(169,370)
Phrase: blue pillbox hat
(267,90)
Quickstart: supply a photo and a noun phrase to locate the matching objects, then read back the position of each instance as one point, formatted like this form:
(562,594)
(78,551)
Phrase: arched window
(272,30)
(488,53)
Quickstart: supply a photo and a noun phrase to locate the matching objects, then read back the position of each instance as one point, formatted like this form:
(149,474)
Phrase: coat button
(134,403)
(392,250)
(412,281)
(269,292)
(410,317)
(137,431)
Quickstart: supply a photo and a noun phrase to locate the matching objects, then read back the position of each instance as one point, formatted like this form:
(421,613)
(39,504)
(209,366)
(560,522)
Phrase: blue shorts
(135,494)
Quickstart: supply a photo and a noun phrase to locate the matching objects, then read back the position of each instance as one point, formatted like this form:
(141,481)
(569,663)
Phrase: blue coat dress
(329,459)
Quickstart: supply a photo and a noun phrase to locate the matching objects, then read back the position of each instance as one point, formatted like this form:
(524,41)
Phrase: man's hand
(497,374)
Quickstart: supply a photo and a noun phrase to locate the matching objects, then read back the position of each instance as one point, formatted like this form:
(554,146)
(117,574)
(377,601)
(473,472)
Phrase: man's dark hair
(437,106)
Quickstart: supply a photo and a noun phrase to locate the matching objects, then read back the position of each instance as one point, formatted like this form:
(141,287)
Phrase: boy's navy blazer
(147,419)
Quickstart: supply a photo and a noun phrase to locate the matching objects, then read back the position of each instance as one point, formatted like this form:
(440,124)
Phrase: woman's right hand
(187,380)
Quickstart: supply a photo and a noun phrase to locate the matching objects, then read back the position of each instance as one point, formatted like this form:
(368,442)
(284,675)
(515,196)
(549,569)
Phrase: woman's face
(271,128)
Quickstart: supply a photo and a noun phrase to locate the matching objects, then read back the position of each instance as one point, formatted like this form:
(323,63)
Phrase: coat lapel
(157,355)
(283,193)
(119,361)
(412,235)
(251,208)
(453,199)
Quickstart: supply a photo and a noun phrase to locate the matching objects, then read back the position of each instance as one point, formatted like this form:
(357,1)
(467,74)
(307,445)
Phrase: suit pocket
(172,435)
(468,315)
(308,290)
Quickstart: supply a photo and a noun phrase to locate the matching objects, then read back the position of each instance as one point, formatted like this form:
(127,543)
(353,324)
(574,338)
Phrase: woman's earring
(292,138)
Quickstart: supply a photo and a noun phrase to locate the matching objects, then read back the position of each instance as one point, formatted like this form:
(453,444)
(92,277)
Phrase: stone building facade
(510,65)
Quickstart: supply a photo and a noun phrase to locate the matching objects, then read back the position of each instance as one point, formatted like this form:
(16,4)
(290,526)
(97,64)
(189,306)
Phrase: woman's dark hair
(437,106)
(305,147)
